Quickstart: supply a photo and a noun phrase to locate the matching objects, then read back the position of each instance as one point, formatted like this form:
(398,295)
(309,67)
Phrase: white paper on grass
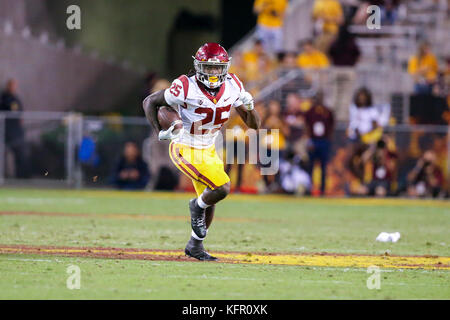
(388,237)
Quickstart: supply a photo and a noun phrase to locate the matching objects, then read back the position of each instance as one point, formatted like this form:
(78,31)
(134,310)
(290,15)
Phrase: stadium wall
(126,29)
(54,78)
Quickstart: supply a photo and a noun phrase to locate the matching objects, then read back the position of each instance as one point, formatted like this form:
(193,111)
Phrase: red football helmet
(211,63)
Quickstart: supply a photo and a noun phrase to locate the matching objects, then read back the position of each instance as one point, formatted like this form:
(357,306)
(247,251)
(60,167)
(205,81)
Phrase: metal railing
(382,81)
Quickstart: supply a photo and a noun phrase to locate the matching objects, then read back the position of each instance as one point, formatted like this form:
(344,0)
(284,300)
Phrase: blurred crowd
(366,160)
(331,53)
(361,159)
(333,140)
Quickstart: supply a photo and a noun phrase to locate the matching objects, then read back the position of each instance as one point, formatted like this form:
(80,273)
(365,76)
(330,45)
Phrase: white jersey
(363,118)
(203,114)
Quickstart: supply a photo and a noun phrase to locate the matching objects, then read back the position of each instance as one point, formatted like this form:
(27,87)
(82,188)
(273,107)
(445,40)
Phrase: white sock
(201,203)
(196,237)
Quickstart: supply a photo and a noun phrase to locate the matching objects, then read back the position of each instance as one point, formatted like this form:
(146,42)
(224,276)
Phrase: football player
(204,101)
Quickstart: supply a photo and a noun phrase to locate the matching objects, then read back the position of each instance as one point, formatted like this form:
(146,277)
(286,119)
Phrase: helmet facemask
(211,73)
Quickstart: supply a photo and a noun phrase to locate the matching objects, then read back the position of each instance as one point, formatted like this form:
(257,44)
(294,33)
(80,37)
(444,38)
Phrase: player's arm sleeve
(241,88)
(237,103)
(175,94)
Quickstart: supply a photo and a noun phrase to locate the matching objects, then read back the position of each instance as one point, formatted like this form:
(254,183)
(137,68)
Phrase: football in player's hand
(167,116)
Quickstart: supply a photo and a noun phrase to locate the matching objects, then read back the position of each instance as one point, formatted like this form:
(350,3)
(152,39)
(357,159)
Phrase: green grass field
(246,224)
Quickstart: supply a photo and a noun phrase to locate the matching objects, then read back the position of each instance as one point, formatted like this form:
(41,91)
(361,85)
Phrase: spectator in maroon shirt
(344,54)
(319,121)
(344,51)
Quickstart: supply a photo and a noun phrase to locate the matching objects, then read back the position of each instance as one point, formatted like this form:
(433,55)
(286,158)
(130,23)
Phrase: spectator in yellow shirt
(311,57)
(327,16)
(423,67)
(256,62)
(270,22)
(311,60)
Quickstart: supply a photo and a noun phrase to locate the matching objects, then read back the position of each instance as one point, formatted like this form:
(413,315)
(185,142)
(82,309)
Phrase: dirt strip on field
(303,259)
(124,216)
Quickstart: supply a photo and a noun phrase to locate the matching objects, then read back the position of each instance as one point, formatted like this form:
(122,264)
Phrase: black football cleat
(202,255)
(195,249)
(198,222)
